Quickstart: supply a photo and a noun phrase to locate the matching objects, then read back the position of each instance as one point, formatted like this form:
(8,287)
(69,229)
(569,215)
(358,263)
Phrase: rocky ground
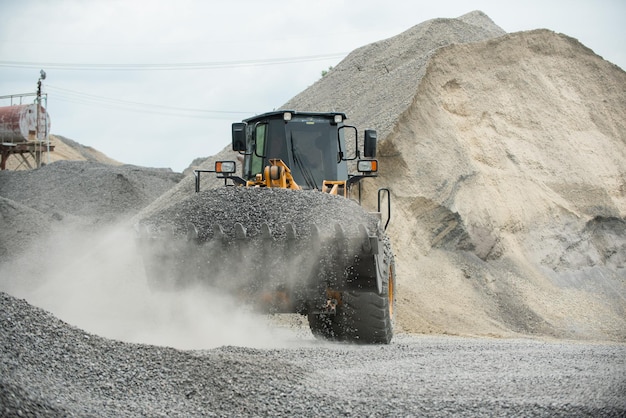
(49,368)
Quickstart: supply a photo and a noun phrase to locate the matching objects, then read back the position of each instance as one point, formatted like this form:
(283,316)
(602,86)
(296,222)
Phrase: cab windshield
(308,145)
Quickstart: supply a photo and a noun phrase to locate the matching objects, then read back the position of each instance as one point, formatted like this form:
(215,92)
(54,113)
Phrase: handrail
(381,192)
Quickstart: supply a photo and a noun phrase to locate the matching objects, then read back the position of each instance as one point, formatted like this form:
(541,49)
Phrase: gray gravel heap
(50,369)
(20,226)
(93,191)
(72,194)
(253,206)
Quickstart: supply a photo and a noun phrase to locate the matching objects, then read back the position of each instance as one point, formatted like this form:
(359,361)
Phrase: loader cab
(311,144)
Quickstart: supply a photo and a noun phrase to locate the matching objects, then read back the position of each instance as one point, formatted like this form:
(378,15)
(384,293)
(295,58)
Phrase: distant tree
(324,72)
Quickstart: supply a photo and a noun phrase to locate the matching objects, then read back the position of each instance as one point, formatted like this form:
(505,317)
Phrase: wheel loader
(288,234)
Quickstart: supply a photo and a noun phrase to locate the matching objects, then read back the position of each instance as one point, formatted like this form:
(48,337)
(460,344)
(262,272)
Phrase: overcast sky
(119,77)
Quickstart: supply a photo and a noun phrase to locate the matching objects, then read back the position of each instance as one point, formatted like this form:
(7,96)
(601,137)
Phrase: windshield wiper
(306,171)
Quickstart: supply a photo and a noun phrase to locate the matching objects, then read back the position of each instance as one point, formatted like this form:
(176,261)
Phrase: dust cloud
(95,280)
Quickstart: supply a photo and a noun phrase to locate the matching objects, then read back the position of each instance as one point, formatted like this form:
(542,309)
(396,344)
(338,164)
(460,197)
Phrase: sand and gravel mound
(512,157)
(506,157)
(68,149)
(376,83)
(63,149)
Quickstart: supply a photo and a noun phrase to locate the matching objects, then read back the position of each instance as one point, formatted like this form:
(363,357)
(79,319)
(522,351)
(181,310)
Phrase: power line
(85,99)
(92,98)
(171,66)
(140,110)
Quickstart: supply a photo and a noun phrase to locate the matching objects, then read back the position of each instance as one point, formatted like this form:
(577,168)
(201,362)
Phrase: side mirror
(369,145)
(239,136)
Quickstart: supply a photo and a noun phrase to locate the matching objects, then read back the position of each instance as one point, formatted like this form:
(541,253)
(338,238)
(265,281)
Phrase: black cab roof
(281,114)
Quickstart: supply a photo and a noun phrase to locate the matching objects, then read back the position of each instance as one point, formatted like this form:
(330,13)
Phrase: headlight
(367,166)
(225,167)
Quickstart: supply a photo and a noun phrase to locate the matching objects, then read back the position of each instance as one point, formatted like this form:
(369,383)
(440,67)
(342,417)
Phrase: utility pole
(42,76)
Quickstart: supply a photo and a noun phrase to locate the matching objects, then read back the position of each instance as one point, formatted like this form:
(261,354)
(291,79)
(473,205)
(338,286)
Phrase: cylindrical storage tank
(19,123)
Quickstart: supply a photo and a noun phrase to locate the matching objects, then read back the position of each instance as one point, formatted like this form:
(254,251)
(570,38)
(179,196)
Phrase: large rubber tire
(367,318)
(362,317)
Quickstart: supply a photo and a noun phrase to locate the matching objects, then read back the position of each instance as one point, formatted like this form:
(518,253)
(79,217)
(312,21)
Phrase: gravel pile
(50,369)
(88,189)
(84,152)
(20,226)
(72,193)
(252,207)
